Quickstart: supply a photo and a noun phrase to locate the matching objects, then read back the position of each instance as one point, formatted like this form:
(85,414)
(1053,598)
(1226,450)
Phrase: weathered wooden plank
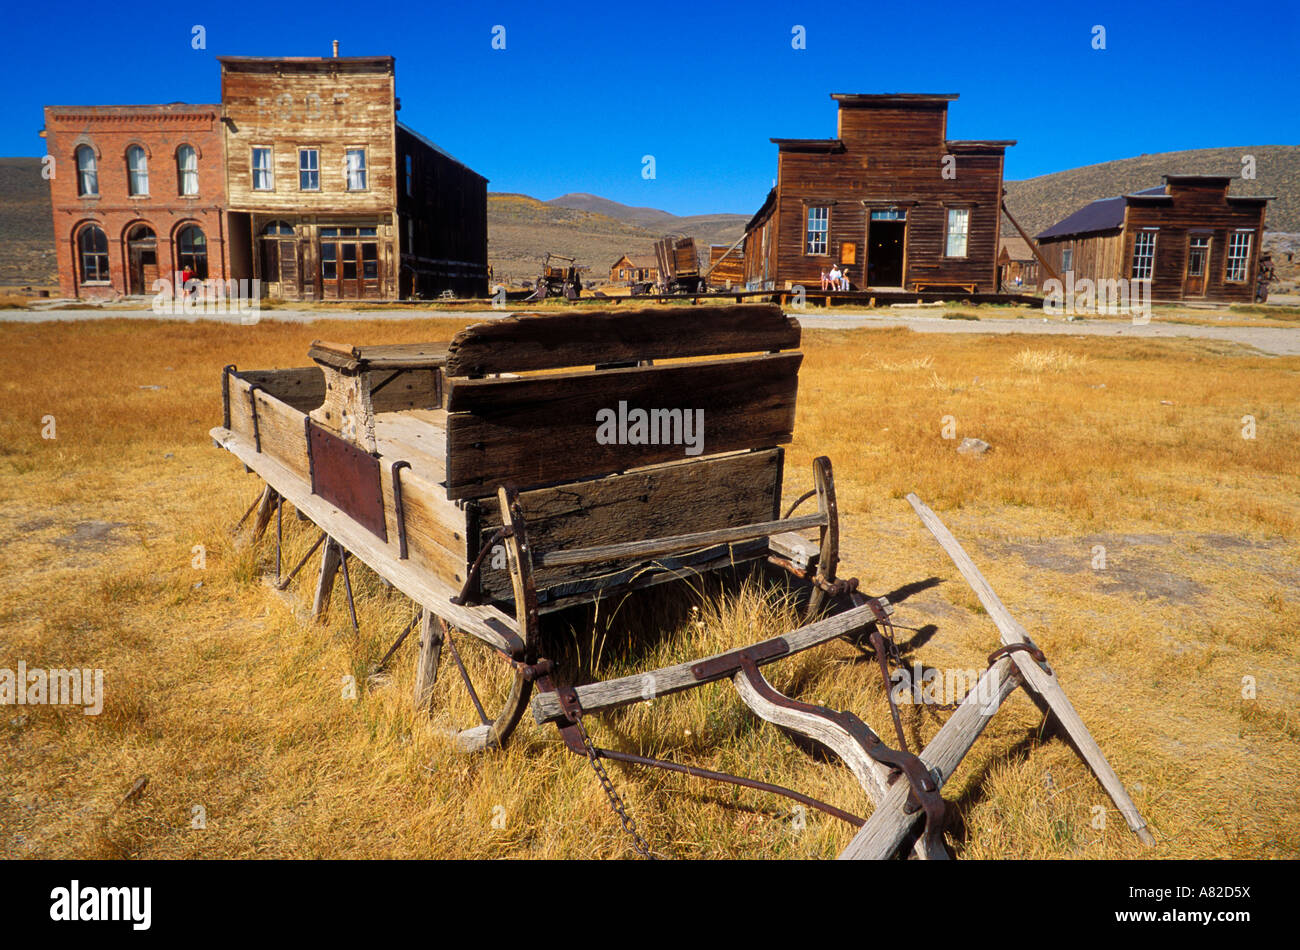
(585,337)
(330,561)
(595,697)
(681,542)
(426,666)
(880,837)
(654,502)
(746,403)
(435,526)
(302,388)
(1041,681)
(414,578)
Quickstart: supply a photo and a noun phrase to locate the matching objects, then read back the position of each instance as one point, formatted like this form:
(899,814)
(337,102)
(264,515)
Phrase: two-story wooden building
(138,194)
(330,197)
(1189,237)
(891,200)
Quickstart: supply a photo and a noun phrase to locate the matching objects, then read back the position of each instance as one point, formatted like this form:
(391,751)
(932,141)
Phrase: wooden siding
(886,157)
(331,105)
(1193,208)
(442,222)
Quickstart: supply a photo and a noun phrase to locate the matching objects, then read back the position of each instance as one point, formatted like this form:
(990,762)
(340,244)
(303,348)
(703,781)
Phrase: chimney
(336,49)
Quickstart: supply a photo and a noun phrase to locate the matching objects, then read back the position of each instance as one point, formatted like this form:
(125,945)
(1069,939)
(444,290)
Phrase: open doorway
(142,257)
(885,240)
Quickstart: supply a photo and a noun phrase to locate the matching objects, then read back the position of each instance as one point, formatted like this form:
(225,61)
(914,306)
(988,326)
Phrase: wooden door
(1198,265)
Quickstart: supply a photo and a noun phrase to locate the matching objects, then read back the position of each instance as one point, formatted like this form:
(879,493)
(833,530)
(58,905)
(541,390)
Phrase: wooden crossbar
(681,542)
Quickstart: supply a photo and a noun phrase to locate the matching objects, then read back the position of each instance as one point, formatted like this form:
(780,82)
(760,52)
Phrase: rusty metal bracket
(257,430)
(225,393)
(471,579)
(1027,647)
(399,512)
(731,662)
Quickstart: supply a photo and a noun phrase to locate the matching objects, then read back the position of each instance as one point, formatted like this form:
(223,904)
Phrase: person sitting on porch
(835,277)
(826,280)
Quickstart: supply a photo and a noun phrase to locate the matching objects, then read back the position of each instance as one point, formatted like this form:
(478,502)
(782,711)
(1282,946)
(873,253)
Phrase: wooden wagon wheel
(498,687)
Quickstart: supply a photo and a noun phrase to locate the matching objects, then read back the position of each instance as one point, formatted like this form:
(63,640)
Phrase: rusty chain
(639,844)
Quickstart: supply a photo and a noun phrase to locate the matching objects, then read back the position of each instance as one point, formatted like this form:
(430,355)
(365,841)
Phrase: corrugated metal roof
(1104,214)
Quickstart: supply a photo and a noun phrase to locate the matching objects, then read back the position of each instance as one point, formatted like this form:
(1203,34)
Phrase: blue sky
(576,100)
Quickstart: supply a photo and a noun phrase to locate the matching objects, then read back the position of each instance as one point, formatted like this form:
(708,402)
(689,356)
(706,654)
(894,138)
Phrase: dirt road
(1277,341)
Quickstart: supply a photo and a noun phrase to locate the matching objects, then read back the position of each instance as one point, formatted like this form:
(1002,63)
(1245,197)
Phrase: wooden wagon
(542,462)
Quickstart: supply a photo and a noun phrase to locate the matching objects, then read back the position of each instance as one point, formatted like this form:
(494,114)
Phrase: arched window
(192,251)
(87,176)
(187,170)
(137,171)
(92,254)
(277,227)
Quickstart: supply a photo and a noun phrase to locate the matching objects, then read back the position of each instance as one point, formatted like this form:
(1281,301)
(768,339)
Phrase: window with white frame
(819,226)
(137,171)
(308,169)
(1144,254)
(958,228)
(1238,256)
(263,177)
(87,176)
(356,168)
(187,170)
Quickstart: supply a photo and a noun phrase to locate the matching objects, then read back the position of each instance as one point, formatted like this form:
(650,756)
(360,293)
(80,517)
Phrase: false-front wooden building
(891,200)
(331,197)
(1189,237)
(138,193)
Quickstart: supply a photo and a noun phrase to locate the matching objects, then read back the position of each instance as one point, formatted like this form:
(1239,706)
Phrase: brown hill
(1040,202)
(26,225)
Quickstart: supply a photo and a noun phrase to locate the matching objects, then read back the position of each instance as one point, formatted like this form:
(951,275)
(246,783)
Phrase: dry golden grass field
(223,694)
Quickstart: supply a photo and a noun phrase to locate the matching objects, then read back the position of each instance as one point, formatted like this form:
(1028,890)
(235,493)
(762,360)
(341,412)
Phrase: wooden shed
(634,268)
(891,199)
(1017,266)
(1189,237)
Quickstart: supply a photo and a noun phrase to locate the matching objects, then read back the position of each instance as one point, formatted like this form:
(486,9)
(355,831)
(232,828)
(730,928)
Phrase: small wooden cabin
(630,269)
(1017,266)
(891,199)
(1192,239)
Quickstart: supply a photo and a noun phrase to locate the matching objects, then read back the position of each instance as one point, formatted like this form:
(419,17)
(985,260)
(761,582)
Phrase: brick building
(302,178)
(138,194)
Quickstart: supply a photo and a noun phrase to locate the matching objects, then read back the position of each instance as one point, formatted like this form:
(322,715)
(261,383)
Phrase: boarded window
(1238,255)
(848,253)
(1144,254)
(187,170)
(958,225)
(356,166)
(819,221)
(263,179)
(87,176)
(309,169)
(137,171)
